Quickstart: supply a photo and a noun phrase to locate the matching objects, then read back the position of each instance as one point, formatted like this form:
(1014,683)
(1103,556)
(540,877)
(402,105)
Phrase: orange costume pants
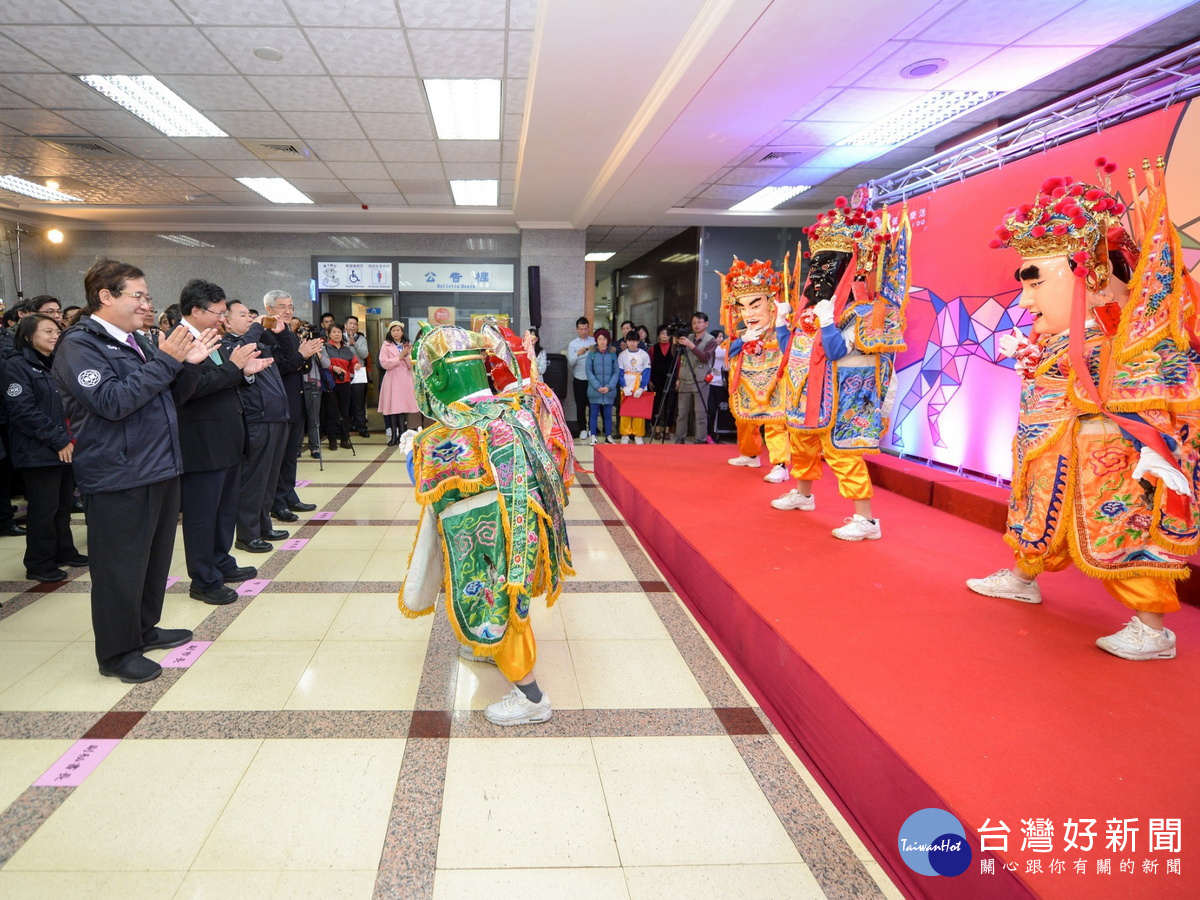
(854,482)
(750,442)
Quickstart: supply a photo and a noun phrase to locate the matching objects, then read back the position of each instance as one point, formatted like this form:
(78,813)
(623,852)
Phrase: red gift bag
(638,407)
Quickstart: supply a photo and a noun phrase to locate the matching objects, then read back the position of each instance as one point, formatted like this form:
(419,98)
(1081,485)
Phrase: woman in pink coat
(396,396)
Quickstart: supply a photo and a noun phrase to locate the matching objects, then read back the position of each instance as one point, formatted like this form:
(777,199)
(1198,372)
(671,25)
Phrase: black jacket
(211,429)
(263,399)
(285,347)
(121,409)
(37,421)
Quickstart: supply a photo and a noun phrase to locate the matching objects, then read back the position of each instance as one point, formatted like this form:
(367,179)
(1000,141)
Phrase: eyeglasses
(212,312)
(139,296)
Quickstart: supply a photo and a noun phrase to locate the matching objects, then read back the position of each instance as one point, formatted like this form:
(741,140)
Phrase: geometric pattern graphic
(963,329)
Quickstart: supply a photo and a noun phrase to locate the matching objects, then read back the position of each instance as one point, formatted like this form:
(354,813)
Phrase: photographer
(691,379)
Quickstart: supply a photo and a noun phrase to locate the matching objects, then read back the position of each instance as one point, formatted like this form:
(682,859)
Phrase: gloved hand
(638,392)
(628,392)
(824,312)
(751,334)
(1009,343)
(783,312)
(1150,462)
(406,441)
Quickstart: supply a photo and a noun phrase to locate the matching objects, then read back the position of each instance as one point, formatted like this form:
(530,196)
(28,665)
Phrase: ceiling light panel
(34,190)
(769,198)
(476,193)
(598,257)
(155,103)
(277,190)
(465,109)
(933,110)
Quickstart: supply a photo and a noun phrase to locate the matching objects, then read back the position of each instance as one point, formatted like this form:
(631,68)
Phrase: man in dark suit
(213,437)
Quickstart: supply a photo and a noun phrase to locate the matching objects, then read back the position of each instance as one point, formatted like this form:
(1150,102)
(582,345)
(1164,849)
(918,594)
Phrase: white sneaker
(638,440)
(1139,641)
(583,435)
(471,656)
(594,440)
(624,439)
(1007,585)
(777,475)
(751,462)
(517,709)
(610,439)
(858,529)
(387,433)
(793,499)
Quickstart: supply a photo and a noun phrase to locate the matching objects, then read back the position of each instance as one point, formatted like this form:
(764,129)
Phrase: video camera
(677,328)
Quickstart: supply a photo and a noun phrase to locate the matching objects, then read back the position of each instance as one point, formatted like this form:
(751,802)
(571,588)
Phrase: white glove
(751,334)
(406,441)
(628,392)
(1151,463)
(782,312)
(824,312)
(638,392)
(1008,344)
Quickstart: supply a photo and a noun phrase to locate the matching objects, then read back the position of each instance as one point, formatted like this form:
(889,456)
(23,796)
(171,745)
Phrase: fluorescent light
(36,191)
(465,109)
(769,198)
(681,258)
(598,257)
(277,190)
(152,101)
(476,193)
(184,240)
(936,108)
(54,236)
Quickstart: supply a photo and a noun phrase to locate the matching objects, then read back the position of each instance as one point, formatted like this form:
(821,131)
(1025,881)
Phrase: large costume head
(449,366)
(748,293)
(844,236)
(1064,238)
(507,359)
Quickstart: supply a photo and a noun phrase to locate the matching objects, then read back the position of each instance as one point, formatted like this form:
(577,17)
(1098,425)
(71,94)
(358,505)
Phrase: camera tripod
(676,353)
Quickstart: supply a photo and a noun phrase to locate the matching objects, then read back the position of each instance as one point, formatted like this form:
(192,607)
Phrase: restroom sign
(354,276)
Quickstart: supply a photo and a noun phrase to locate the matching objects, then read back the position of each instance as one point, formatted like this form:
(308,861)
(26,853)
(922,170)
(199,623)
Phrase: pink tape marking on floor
(77,763)
(183,657)
(294,544)
(323,516)
(253,587)
(305,483)
(174,579)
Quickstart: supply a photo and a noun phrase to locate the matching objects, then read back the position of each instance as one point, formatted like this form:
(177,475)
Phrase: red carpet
(905,690)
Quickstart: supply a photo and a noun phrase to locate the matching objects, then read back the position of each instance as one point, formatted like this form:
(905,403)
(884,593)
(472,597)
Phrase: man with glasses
(127,461)
(47,306)
(213,437)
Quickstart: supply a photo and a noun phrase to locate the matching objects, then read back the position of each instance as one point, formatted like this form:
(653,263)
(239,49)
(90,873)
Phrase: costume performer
(841,358)
(491,533)
(633,364)
(1108,438)
(757,362)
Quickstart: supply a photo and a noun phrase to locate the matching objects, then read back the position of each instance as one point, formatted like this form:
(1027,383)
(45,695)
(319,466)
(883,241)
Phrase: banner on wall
(958,398)
(354,276)
(456,277)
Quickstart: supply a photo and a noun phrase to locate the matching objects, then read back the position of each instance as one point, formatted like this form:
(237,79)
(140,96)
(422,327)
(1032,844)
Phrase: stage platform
(905,690)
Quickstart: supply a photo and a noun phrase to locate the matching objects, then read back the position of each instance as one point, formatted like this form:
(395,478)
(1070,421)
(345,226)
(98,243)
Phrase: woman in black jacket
(41,449)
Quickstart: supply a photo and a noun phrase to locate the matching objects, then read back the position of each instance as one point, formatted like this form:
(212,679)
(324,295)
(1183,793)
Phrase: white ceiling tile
(209,92)
(815,134)
(160,148)
(522,14)
(508,170)
(409,171)
(332,125)
(461,13)
(358,170)
(988,22)
(360,13)
(514,96)
(383,95)
(216,148)
(56,91)
(429,199)
(130,12)
(865,105)
(423,186)
(729,192)
(317,185)
(923,20)
(469,151)
(369,185)
(359,51)
(188,168)
(170,50)
(236,12)
(61,46)
(309,169)
(398,127)
(869,61)
(815,104)
(512,128)
(1013,67)
(299,92)
(255,124)
(458,54)
(472,170)
(37,121)
(244,168)
(244,197)
(17,59)
(959,58)
(111,123)
(407,151)
(391,198)
(1100,22)
(220,184)
(9,100)
(755,175)
(238,46)
(346,151)
(520,50)
(36,12)
(511,151)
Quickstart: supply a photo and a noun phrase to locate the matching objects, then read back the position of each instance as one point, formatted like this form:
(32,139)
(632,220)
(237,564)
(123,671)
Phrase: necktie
(132,342)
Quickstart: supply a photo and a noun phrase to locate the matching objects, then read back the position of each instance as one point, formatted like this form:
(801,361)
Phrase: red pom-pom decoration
(841,202)
(1058,191)
(858,235)
(1080,257)
(1110,168)
(1024,208)
(1050,184)
(995,244)
(1079,221)
(1080,272)
(1119,209)
(807,255)
(1037,231)
(1101,162)
(1060,229)
(1093,194)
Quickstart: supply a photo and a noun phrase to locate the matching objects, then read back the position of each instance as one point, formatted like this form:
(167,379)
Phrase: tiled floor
(325,746)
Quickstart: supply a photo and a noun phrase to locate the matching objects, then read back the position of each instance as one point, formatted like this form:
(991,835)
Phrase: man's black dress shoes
(241,573)
(133,668)
(13,530)
(168,638)
(284,515)
(258,545)
(275,534)
(218,596)
(49,577)
(302,507)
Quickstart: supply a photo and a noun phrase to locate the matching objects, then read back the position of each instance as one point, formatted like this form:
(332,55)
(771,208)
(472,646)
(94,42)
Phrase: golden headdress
(847,229)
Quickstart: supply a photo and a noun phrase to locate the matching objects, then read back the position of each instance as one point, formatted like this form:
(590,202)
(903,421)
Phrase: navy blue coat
(264,399)
(37,421)
(602,371)
(121,410)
